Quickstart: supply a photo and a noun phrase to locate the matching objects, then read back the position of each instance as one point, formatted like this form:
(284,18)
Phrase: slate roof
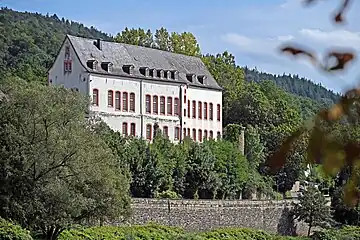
(120,54)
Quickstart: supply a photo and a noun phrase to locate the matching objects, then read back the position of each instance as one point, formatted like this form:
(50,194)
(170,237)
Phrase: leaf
(342,58)
(297,51)
(278,159)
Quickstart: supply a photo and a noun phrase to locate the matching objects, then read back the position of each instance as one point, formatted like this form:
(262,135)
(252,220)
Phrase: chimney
(242,140)
(98,43)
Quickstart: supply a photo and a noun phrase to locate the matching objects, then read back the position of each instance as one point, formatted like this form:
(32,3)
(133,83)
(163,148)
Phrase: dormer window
(167,75)
(144,71)
(106,66)
(175,75)
(92,64)
(129,69)
(201,79)
(160,73)
(153,73)
(190,77)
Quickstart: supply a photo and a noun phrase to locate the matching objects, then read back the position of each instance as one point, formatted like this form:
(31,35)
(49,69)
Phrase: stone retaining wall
(199,215)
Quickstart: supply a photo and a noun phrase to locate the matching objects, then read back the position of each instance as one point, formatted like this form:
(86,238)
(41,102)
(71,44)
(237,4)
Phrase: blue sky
(250,29)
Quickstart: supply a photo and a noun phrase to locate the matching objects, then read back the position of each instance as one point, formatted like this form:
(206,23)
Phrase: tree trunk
(53,233)
(309,230)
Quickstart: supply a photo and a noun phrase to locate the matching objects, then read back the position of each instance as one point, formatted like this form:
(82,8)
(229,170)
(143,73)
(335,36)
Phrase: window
(185,99)
(166,131)
(155,105)
(205,134)
(199,110)
(148,104)
(125,102)
(67,65)
(148,131)
(177,133)
(67,52)
(194,134)
(132,129)
(125,129)
(211,113)
(110,98)
(176,107)
(188,132)
(132,102)
(218,135)
(162,105)
(211,135)
(184,112)
(95,100)
(200,135)
(188,108)
(117,100)
(205,111)
(218,112)
(194,109)
(169,105)
(184,133)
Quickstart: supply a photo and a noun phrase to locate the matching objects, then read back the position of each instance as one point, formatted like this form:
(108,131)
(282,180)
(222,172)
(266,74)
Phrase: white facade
(133,105)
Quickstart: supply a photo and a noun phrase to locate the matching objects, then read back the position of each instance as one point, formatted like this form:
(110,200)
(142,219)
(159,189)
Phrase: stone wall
(199,215)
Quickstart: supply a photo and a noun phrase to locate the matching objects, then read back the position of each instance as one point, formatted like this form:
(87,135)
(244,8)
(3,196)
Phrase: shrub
(10,231)
(346,233)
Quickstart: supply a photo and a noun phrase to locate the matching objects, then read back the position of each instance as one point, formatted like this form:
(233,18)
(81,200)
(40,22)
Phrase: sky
(252,30)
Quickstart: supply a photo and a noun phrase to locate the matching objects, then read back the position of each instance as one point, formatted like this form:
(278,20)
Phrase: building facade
(134,88)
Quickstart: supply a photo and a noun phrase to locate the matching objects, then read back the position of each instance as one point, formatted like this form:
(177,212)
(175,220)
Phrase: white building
(133,87)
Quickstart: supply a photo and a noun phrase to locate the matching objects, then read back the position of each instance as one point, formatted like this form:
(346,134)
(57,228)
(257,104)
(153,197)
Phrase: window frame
(169,106)
(199,109)
(205,110)
(218,112)
(177,111)
(97,97)
(155,110)
(125,101)
(167,131)
(111,98)
(148,127)
(162,105)
(133,129)
(194,134)
(148,103)
(177,134)
(211,111)
(132,101)
(125,133)
(193,109)
(200,136)
(117,100)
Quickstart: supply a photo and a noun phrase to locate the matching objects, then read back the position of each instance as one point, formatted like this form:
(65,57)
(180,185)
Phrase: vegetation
(10,231)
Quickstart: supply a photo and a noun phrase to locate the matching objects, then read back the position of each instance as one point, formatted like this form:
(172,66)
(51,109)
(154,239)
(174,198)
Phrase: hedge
(10,231)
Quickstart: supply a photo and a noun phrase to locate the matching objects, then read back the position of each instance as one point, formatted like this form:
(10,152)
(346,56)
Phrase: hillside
(29,43)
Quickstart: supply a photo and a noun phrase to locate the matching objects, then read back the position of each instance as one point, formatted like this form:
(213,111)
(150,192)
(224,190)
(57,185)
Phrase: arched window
(148,104)
(110,98)
(125,102)
(199,110)
(169,105)
(95,100)
(117,100)
(162,105)
(132,102)
(155,104)
(148,131)
(211,111)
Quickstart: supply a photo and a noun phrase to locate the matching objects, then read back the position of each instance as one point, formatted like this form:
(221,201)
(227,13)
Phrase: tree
(185,43)
(54,170)
(135,37)
(312,209)
(162,40)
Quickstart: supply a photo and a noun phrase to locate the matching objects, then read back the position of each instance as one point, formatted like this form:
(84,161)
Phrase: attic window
(153,73)
(174,75)
(201,79)
(106,66)
(144,71)
(160,73)
(190,77)
(129,69)
(167,75)
(92,64)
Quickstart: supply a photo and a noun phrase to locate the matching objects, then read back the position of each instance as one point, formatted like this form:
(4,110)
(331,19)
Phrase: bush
(153,231)
(346,233)
(10,231)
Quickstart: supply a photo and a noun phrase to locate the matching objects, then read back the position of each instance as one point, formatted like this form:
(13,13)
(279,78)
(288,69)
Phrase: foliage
(312,209)
(10,231)
(153,231)
(345,233)
(54,169)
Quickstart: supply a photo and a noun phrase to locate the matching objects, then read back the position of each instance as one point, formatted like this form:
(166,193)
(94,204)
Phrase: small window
(184,112)
(211,113)
(148,104)
(188,132)
(125,129)
(194,134)
(211,135)
(125,101)
(166,131)
(67,66)
(205,134)
(193,109)
(95,100)
(169,105)
(155,105)
(218,112)
(184,133)
(132,102)
(199,110)
(188,108)
(110,98)
(162,105)
(185,99)
(205,111)
(117,100)
(200,135)
(176,107)
(132,129)
(148,131)
(218,135)
(177,133)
